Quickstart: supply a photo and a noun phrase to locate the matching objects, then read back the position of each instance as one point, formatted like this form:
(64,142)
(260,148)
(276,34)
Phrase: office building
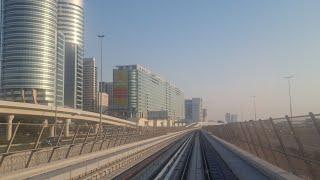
(229,118)
(140,93)
(60,69)
(89,85)
(104,102)
(71,24)
(193,110)
(29,51)
(107,87)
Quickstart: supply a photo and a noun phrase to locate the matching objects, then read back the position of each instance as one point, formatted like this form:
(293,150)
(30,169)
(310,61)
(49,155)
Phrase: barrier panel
(291,143)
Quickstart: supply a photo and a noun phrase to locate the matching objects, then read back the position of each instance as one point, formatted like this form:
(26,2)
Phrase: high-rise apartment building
(71,24)
(29,51)
(89,85)
(140,93)
(193,110)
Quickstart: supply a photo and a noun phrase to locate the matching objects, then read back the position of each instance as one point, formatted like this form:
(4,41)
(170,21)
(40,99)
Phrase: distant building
(107,87)
(104,102)
(193,110)
(204,114)
(188,110)
(89,84)
(229,118)
(234,118)
(139,93)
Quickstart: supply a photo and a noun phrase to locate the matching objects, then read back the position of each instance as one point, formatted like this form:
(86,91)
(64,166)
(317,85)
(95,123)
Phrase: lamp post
(289,92)
(101,36)
(254,107)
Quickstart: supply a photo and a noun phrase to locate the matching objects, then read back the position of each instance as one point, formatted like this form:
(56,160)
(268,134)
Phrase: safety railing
(292,144)
(31,144)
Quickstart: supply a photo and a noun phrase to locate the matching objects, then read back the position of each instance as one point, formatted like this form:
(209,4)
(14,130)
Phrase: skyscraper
(140,93)
(28,69)
(89,84)
(70,23)
(193,112)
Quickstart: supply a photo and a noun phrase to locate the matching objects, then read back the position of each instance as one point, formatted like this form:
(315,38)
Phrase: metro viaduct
(10,111)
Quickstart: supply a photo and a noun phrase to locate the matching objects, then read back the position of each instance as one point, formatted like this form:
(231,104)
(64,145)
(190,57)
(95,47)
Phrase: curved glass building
(71,24)
(28,68)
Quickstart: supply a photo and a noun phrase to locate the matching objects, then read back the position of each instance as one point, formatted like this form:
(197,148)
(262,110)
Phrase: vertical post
(259,140)
(290,166)
(52,130)
(100,93)
(245,136)
(314,120)
(251,139)
(73,141)
(85,140)
(35,148)
(97,131)
(269,144)
(67,127)
(300,147)
(9,144)
(9,119)
(104,139)
(57,145)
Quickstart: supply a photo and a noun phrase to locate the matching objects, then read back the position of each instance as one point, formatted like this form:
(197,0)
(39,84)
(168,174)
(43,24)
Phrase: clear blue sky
(222,50)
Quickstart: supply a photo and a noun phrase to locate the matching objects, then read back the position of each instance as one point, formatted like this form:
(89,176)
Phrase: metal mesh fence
(292,144)
(30,144)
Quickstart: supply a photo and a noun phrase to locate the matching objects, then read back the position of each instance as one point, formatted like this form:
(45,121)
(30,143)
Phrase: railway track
(192,157)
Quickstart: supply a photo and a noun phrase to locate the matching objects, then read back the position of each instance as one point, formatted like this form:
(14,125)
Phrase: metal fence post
(245,136)
(85,140)
(100,130)
(259,140)
(300,146)
(104,139)
(269,144)
(35,148)
(251,139)
(9,144)
(290,166)
(57,144)
(73,141)
(316,125)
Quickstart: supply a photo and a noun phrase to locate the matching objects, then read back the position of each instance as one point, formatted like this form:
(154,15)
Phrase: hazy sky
(224,51)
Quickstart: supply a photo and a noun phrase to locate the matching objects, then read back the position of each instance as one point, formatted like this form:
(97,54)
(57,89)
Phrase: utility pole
(254,107)
(100,87)
(289,89)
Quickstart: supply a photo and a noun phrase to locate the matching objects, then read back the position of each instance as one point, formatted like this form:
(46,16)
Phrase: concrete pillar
(96,128)
(66,128)
(9,119)
(52,130)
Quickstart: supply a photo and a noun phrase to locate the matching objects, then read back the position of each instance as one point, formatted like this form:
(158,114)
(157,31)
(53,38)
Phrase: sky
(225,51)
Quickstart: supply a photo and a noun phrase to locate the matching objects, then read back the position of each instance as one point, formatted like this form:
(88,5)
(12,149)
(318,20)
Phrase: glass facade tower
(139,93)
(28,69)
(70,23)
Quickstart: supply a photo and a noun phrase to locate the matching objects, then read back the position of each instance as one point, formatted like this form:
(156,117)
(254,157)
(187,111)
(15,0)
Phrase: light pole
(101,36)
(289,89)
(254,107)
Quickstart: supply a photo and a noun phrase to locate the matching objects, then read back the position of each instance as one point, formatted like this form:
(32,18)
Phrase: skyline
(244,48)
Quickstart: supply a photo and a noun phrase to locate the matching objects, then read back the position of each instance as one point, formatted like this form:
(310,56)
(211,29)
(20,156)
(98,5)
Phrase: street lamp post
(289,92)
(100,87)
(254,107)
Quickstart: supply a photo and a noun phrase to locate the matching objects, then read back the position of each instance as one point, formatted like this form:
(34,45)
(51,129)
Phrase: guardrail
(292,144)
(33,144)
